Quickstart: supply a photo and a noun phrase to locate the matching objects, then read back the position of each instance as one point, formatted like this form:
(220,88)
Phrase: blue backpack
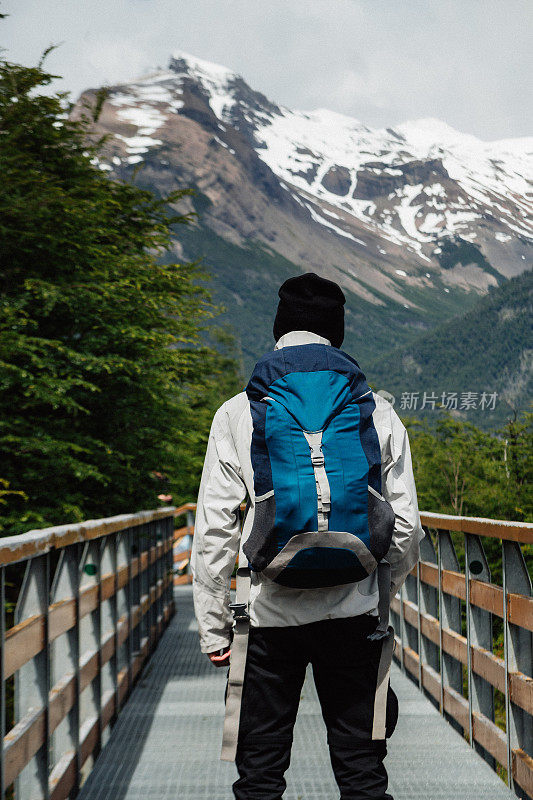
(320,519)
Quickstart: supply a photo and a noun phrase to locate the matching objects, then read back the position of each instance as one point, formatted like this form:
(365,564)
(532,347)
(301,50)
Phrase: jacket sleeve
(398,487)
(216,535)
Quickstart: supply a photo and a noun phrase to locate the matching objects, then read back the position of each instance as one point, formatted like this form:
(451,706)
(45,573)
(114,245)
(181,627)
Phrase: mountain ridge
(415,221)
(386,202)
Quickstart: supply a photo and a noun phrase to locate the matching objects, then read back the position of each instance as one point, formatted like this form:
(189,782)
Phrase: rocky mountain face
(414,221)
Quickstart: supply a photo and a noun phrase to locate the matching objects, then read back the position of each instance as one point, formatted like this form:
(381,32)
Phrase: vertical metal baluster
(506,659)
(441,619)
(160,528)
(114,611)
(165,527)
(122,613)
(519,656)
(143,575)
(159,574)
(145,591)
(452,668)
(170,567)
(155,573)
(48,668)
(98,620)
(32,679)
(65,656)
(468,640)
(149,585)
(164,566)
(78,554)
(91,641)
(428,605)
(129,601)
(2,683)
(477,568)
(153,581)
(136,589)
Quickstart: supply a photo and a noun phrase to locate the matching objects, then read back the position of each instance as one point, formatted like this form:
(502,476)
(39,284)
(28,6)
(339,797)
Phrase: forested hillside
(487,350)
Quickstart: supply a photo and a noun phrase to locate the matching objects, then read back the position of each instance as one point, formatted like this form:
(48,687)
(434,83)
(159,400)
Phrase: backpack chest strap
(323,491)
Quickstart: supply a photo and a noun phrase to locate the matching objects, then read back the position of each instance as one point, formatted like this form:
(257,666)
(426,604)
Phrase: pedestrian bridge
(105,694)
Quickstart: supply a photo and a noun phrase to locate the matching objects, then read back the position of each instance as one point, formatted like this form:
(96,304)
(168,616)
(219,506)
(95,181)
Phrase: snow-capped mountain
(412,184)
(414,215)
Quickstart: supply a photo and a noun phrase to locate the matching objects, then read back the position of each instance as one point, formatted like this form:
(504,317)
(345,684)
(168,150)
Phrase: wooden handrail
(496,528)
(184,508)
(34,543)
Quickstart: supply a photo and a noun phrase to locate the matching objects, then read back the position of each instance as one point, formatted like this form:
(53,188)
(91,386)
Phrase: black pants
(345,665)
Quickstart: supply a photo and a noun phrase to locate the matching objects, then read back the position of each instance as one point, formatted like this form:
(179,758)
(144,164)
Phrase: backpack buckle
(317,456)
(239,611)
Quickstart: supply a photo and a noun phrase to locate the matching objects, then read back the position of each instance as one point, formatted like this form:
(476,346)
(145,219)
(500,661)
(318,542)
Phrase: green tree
(102,360)
(462,470)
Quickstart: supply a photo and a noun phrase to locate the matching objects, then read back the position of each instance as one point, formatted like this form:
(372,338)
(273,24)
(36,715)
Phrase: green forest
(113,360)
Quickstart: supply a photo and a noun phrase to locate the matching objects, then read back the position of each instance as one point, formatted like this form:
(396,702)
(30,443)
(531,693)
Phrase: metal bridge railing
(447,624)
(86,605)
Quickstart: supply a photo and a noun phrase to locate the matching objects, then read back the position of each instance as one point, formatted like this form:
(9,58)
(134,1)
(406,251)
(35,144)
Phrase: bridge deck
(166,742)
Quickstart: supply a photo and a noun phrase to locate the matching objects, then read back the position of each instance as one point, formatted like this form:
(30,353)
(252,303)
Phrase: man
(279,628)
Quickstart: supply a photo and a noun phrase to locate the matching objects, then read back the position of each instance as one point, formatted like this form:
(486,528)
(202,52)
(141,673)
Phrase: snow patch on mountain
(215,79)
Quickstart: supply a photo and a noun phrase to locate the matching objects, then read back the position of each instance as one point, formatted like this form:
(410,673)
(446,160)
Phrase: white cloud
(382,62)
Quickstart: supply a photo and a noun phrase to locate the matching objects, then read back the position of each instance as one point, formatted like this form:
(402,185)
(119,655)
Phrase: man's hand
(220,658)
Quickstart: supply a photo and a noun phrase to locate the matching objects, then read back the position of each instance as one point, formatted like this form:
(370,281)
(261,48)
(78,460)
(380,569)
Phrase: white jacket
(227,481)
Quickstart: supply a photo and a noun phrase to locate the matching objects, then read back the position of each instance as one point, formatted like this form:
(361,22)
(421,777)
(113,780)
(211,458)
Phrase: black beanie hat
(311,303)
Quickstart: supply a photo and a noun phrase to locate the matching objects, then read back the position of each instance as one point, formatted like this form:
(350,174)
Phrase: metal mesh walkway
(166,742)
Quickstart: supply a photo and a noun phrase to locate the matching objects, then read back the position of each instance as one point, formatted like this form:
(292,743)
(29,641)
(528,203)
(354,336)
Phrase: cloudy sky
(467,62)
